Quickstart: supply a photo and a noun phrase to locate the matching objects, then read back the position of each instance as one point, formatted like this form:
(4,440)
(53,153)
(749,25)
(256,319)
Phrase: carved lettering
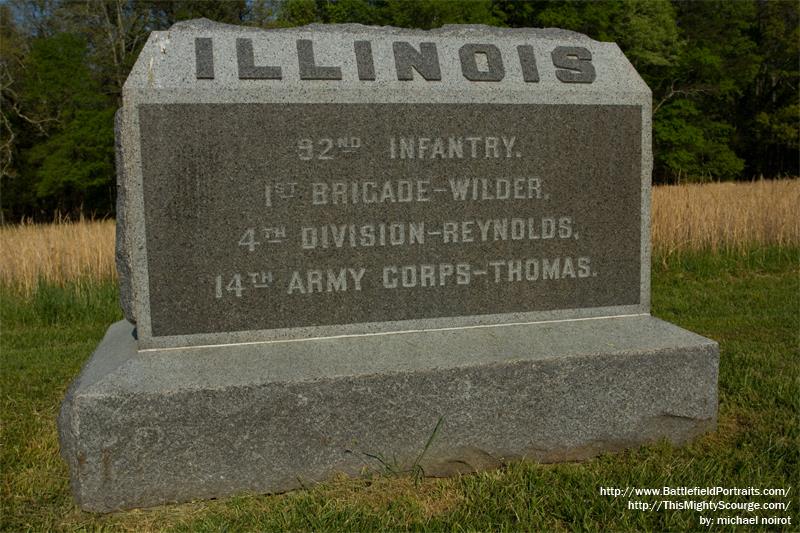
(368,212)
(488,147)
(574,64)
(540,269)
(328,280)
(425,61)
(469,65)
(204,58)
(246,63)
(527,61)
(309,70)
(480,62)
(364,62)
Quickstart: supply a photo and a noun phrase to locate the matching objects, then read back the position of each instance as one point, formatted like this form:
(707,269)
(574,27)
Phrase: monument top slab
(345,180)
(351,62)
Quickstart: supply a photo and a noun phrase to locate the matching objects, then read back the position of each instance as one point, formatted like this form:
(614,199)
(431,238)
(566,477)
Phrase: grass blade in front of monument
(748,302)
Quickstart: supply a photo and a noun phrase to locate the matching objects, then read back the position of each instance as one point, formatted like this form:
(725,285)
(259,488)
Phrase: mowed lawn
(749,302)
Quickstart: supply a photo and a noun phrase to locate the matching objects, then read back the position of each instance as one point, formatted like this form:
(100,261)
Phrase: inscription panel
(268,216)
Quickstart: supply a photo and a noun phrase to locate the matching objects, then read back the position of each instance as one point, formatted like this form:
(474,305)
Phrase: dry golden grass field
(725,216)
(711,217)
(56,253)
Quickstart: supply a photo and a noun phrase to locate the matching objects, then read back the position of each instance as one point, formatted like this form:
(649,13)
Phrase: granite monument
(334,239)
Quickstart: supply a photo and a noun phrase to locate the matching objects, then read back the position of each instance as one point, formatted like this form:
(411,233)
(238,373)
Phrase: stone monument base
(151,427)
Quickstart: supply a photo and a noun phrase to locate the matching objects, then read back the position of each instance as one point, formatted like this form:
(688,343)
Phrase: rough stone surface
(208,128)
(150,427)
(122,257)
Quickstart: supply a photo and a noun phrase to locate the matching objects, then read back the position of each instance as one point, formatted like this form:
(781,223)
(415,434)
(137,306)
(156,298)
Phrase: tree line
(724,76)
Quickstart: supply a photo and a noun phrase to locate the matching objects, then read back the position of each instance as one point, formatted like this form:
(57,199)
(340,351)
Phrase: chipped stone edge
(204,24)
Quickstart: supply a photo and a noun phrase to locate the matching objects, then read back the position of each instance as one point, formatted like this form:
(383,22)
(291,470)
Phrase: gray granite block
(227,133)
(334,239)
(122,248)
(143,428)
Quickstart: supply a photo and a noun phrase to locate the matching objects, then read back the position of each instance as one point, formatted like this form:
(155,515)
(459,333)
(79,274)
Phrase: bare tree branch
(678,92)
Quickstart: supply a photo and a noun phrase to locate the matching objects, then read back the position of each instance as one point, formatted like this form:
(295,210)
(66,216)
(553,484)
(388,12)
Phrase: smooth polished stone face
(268,216)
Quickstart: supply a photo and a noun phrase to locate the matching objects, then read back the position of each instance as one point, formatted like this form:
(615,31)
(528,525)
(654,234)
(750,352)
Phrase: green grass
(749,303)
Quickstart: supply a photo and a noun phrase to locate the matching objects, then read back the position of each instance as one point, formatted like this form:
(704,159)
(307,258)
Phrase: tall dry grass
(714,217)
(725,216)
(56,253)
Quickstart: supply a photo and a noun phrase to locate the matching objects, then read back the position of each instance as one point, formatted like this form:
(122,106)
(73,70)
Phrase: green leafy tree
(424,14)
(75,167)
(771,104)
(645,30)
(427,14)
(719,61)
(693,148)
(15,126)
(300,13)
(58,80)
(72,165)
(360,11)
